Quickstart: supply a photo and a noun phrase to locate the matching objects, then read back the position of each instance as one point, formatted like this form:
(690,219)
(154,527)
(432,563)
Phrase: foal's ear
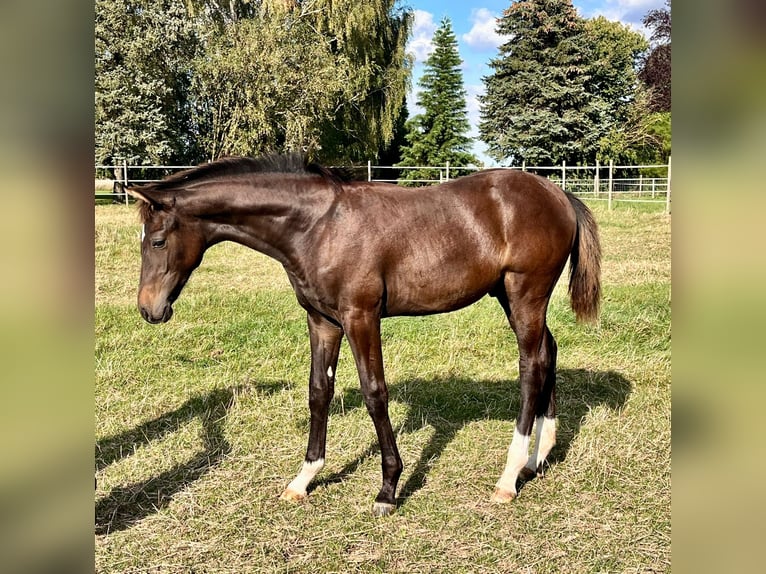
(151,199)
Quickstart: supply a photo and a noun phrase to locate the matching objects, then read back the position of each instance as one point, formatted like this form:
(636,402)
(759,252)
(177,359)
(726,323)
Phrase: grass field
(201,422)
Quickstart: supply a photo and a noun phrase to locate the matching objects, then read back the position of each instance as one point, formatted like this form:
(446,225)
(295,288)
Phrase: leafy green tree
(143,54)
(222,12)
(614,51)
(642,136)
(368,41)
(253,91)
(186,80)
(392,154)
(439,134)
(639,129)
(538,106)
(325,76)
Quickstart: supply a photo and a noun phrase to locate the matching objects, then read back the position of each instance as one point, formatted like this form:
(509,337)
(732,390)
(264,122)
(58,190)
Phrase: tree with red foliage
(655,72)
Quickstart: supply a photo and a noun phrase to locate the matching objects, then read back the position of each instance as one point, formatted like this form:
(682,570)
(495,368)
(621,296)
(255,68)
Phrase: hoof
(527,473)
(382,509)
(502,496)
(292,496)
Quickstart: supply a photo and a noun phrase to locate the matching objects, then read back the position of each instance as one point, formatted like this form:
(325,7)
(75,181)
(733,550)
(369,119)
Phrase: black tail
(585,265)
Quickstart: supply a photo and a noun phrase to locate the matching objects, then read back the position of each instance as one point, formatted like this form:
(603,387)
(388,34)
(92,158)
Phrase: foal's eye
(158,243)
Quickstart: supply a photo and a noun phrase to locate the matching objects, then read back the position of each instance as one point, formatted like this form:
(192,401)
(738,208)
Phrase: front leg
(363,331)
(325,340)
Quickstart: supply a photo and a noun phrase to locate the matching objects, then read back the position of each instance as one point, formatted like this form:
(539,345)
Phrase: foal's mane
(294,164)
(227,166)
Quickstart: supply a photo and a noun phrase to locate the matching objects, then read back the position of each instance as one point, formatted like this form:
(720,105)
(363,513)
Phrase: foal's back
(434,249)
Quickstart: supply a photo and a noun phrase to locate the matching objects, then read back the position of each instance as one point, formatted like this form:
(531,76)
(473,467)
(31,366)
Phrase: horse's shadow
(126,505)
(445,404)
(448,404)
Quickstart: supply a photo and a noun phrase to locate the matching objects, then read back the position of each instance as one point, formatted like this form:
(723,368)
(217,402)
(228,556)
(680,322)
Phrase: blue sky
(474,26)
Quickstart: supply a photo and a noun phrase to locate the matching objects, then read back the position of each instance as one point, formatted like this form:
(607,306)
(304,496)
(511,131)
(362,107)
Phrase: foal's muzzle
(154,319)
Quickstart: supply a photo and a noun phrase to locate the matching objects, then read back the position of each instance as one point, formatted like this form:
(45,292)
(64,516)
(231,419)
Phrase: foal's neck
(269,214)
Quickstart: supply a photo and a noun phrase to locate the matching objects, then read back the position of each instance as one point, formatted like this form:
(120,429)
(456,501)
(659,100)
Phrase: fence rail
(598,182)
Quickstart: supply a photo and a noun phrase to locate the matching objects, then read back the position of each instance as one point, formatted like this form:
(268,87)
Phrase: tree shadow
(448,404)
(126,505)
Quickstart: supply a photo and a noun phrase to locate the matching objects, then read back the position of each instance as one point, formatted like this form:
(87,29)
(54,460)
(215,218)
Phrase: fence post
(125,177)
(523,165)
(611,182)
(447,171)
(564,174)
(667,200)
(369,170)
(596,186)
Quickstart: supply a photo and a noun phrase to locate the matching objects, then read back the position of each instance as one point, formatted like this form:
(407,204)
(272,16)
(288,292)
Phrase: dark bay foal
(356,252)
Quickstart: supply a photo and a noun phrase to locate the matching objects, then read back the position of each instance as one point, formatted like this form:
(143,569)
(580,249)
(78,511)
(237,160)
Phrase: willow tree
(254,92)
(368,40)
(329,76)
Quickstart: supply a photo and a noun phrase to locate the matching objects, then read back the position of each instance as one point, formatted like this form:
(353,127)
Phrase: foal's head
(172,246)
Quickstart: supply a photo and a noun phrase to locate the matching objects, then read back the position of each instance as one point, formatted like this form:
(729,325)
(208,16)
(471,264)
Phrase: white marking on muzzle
(143,233)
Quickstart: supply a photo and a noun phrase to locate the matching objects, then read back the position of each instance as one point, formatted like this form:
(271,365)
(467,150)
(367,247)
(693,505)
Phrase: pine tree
(537,107)
(439,134)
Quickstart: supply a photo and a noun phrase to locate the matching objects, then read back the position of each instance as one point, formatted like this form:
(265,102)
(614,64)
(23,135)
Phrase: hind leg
(545,417)
(526,302)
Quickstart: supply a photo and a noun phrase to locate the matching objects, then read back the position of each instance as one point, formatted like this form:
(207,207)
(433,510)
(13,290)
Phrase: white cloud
(482,36)
(629,12)
(421,44)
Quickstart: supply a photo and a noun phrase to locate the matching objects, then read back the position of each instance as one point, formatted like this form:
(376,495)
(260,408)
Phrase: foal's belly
(437,290)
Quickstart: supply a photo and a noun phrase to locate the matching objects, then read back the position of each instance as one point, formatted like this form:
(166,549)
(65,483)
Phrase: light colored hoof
(502,496)
(292,496)
(382,509)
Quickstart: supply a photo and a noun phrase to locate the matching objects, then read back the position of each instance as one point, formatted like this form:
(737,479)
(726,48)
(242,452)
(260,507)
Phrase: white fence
(598,182)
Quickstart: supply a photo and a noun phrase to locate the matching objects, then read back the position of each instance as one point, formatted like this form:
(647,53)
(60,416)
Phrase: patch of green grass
(201,422)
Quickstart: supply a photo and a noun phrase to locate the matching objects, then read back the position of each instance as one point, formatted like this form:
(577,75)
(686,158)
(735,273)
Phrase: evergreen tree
(537,106)
(439,134)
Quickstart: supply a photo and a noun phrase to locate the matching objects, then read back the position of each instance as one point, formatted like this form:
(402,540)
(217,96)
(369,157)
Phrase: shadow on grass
(445,404)
(126,505)
(448,404)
